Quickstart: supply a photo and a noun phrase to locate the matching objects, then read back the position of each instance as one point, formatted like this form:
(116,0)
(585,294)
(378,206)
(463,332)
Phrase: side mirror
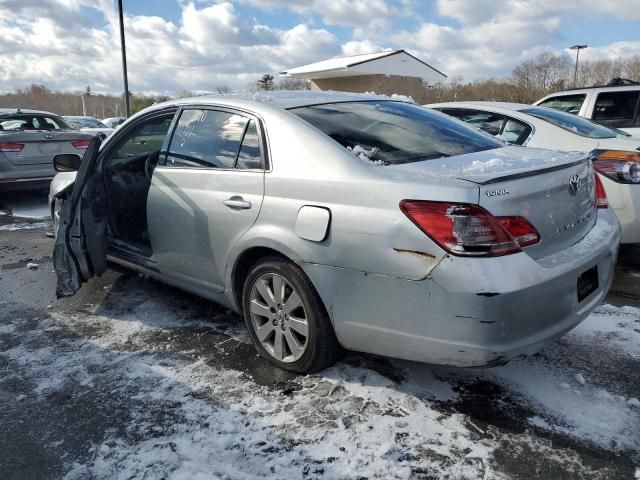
(66,162)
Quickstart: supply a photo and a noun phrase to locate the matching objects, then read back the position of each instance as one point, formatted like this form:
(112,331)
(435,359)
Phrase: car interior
(127,175)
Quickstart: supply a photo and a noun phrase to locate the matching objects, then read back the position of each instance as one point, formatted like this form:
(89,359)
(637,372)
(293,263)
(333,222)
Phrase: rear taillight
(464,229)
(618,165)
(11,147)
(81,144)
(521,230)
(601,195)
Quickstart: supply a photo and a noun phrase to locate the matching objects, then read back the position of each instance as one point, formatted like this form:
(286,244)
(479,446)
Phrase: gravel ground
(134,379)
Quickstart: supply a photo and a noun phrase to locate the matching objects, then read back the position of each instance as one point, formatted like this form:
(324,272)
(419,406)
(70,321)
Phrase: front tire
(286,318)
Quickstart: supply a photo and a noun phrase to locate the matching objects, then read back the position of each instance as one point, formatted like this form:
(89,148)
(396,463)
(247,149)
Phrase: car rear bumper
(470,312)
(24,177)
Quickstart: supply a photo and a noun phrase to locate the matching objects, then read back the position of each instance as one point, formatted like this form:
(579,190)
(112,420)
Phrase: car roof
(488,105)
(283,99)
(18,111)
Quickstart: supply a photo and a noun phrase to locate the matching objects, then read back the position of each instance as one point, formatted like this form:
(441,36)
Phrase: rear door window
(500,126)
(565,103)
(206,138)
(487,121)
(514,131)
(616,109)
(249,156)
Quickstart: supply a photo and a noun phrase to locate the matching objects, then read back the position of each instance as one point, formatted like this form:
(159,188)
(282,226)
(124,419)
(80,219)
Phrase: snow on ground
(193,416)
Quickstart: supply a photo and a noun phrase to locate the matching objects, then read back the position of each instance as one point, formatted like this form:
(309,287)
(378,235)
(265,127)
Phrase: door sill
(132,254)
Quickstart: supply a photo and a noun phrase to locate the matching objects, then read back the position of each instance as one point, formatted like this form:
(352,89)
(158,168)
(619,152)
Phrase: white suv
(616,105)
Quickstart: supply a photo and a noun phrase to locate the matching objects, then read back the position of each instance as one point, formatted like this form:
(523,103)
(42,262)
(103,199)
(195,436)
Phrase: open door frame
(80,251)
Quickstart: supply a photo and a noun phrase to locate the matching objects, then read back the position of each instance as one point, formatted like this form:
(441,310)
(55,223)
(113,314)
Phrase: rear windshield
(389,133)
(572,123)
(25,122)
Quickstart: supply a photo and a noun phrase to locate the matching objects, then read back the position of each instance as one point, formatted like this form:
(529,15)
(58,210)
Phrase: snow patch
(366,156)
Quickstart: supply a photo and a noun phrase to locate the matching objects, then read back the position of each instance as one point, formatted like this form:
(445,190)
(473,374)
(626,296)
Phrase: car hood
(489,165)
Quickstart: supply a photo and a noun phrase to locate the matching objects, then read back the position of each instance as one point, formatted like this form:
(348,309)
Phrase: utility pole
(127,108)
(577,48)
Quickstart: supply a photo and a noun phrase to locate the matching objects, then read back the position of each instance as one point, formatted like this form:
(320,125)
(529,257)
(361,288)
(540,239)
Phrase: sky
(198,45)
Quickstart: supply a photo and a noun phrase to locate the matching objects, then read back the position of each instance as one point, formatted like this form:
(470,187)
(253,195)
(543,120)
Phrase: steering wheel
(150,163)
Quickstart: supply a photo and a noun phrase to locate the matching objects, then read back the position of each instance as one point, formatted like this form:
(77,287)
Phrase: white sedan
(90,125)
(616,155)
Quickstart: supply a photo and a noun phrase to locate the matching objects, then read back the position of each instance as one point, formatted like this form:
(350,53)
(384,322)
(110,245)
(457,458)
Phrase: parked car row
(334,221)
(615,154)
(29,139)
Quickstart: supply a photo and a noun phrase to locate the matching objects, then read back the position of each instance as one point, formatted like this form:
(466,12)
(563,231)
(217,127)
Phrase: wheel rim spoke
(295,348)
(278,347)
(265,291)
(263,331)
(261,310)
(299,325)
(292,302)
(278,288)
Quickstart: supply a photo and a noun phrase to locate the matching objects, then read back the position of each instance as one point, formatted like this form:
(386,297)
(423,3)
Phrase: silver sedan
(29,139)
(336,221)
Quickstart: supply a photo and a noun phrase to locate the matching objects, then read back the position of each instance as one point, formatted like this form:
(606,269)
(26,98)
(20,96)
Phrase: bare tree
(223,89)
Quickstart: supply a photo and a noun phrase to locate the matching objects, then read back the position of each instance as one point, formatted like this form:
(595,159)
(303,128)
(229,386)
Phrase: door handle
(237,203)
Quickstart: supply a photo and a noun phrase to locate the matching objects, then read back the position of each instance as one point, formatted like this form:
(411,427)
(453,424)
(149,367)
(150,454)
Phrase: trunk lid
(40,146)
(554,192)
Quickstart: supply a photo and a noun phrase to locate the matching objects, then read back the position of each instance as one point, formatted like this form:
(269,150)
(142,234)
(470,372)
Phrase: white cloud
(333,12)
(56,42)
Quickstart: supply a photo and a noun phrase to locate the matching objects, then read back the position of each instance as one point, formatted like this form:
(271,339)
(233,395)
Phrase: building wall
(381,84)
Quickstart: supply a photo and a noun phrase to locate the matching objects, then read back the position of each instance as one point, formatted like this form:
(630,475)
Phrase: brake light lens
(601,196)
(11,147)
(521,230)
(618,165)
(81,144)
(469,230)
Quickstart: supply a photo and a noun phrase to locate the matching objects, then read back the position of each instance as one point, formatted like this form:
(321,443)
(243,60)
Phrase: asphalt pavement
(131,378)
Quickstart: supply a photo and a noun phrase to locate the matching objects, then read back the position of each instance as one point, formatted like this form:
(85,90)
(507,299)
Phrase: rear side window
(249,155)
(500,126)
(616,109)
(571,123)
(487,121)
(215,139)
(565,103)
(388,132)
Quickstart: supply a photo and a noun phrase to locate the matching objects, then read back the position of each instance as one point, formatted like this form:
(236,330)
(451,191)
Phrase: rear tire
(286,318)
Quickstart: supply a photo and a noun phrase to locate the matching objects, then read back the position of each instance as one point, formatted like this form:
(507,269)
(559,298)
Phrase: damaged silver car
(336,221)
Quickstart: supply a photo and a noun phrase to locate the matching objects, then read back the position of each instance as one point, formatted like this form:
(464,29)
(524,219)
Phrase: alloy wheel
(278,317)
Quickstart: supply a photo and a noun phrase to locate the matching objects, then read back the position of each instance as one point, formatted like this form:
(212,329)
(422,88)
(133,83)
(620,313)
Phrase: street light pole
(127,108)
(577,48)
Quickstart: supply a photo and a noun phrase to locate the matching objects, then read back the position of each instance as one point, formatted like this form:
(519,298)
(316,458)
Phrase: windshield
(32,122)
(86,123)
(572,123)
(388,132)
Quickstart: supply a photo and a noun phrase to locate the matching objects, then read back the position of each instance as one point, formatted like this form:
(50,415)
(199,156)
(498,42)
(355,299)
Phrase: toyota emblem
(574,184)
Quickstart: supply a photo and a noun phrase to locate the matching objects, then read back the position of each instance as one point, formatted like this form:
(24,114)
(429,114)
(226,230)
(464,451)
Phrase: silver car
(89,125)
(349,221)
(29,139)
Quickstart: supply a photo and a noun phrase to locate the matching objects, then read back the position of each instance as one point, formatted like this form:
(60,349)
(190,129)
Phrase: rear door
(206,193)
(80,250)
